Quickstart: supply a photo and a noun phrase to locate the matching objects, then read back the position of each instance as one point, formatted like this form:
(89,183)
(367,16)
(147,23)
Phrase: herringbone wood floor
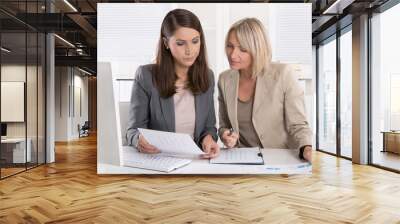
(70,191)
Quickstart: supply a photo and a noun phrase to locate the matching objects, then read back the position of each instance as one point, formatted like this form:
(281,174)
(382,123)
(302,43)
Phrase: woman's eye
(180,43)
(243,50)
(195,41)
(229,46)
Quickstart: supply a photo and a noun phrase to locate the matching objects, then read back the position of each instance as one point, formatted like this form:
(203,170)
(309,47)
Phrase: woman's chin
(235,67)
(184,64)
(188,64)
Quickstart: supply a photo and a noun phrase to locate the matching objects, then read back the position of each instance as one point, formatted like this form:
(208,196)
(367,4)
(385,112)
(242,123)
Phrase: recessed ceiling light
(5,50)
(337,7)
(64,40)
(84,71)
(70,5)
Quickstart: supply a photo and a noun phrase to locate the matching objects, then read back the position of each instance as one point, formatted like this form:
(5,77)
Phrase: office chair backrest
(3,129)
(86,126)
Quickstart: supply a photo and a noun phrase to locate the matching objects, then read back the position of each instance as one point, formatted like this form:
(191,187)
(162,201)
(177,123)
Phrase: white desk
(18,150)
(276,161)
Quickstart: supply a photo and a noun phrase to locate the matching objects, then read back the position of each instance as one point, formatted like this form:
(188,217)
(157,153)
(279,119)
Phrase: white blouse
(185,114)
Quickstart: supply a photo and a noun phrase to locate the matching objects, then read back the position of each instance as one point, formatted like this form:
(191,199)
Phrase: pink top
(185,114)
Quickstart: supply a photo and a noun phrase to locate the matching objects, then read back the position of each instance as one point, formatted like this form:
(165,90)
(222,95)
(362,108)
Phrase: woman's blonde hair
(253,37)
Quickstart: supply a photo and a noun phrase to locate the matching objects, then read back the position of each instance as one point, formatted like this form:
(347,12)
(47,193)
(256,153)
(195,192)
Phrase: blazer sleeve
(210,120)
(139,108)
(295,115)
(224,123)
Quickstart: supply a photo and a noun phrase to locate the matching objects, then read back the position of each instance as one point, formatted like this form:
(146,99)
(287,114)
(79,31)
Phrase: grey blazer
(149,110)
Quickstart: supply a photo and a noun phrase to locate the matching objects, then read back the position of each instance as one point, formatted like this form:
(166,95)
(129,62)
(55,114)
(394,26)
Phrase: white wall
(128,35)
(68,82)
(61,103)
(33,125)
(81,84)
(12,100)
(15,72)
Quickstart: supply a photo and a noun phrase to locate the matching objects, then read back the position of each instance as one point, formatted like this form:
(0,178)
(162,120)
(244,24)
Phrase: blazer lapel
(261,92)
(168,111)
(200,112)
(232,88)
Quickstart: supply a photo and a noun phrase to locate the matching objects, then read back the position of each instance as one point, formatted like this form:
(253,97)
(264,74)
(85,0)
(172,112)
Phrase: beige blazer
(278,110)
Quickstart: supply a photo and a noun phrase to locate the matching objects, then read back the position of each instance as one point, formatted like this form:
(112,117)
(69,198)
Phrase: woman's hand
(307,153)
(144,147)
(210,147)
(229,139)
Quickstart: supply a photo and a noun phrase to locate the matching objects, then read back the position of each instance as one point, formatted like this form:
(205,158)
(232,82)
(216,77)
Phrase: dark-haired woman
(176,93)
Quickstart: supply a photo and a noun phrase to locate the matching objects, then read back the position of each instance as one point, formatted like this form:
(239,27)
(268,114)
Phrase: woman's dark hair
(164,76)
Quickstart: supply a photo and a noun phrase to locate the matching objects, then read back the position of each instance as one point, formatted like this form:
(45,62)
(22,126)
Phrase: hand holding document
(172,144)
(250,156)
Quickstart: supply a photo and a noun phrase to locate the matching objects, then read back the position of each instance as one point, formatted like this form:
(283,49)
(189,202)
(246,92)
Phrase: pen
(289,167)
(273,168)
(304,165)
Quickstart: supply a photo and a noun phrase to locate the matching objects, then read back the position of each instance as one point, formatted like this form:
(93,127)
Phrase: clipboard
(243,156)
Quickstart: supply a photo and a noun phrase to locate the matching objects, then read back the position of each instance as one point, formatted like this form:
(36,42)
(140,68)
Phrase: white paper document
(285,161)
(154,161)
(172,144)
(276,161)
(300,168)
(251,156)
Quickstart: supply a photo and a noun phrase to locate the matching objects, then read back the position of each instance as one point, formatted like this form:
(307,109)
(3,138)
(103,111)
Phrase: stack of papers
(172,144)
(251,156)
(176,149)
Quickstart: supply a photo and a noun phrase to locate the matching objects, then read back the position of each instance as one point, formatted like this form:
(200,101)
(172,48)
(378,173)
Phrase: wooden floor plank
(70,191)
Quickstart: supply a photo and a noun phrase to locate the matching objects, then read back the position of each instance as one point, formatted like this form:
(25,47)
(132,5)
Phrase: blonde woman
(260,102)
